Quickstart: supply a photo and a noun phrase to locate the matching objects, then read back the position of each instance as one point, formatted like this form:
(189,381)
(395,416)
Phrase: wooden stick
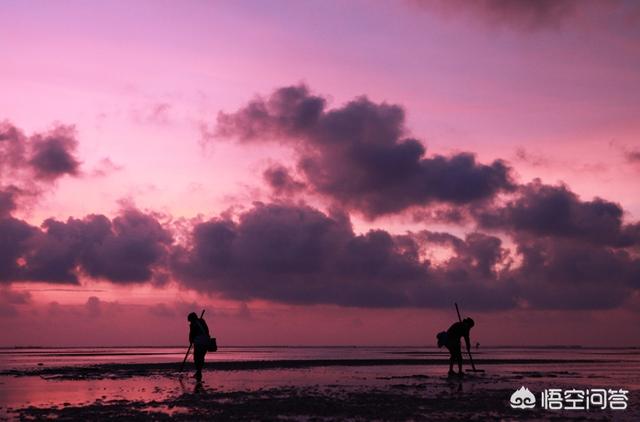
(189,349)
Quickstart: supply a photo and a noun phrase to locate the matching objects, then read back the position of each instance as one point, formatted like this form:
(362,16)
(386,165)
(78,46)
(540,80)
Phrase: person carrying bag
(202,341)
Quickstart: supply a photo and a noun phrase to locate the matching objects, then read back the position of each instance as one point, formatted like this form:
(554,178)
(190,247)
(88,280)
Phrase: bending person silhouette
(455,333)
(199,337)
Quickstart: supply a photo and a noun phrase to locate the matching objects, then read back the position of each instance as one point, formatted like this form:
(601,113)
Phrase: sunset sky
(319,172)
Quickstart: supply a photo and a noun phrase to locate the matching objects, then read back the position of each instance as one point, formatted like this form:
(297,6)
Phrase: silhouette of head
(192,317)
(469,322)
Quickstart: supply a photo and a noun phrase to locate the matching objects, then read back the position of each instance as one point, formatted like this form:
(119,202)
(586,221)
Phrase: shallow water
(607,368)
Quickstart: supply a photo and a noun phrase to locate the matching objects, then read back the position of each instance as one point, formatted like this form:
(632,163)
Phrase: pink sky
(555,97)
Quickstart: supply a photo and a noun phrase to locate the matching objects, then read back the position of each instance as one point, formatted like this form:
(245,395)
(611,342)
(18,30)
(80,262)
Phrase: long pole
(468,350)
(191,344)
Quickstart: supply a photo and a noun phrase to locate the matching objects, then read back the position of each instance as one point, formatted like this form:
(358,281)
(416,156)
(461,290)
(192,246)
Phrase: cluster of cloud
(358,156)
(568,253)
(541,210)
(532,15)
(28,164)
(298,254)
(527,245)
(517,14)
(126,249)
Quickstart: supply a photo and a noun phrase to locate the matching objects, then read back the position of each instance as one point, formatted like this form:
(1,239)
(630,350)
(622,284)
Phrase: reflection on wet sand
(392,388)
(382,392)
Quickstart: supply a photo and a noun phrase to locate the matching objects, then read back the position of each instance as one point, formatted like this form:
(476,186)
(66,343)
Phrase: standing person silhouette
(455,333)
(199,337)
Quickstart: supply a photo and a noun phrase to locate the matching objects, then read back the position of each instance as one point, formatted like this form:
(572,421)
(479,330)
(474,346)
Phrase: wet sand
(367,389)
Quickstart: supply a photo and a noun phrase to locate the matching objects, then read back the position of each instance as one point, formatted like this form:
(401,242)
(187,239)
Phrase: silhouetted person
(457,331)
(199,336)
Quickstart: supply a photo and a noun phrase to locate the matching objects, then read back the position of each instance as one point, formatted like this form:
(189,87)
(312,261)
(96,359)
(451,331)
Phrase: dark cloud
(52,153)
(14,237)
(441,214)
(29,164)
(288,112)
(297,254)
(559,273)
(545,210)
(135,243)
(525,15)
(358,154)
(13,145)
(281,182)
(125,249)
(8,200)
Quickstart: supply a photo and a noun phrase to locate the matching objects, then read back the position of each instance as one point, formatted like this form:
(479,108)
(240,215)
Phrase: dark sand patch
(411,402)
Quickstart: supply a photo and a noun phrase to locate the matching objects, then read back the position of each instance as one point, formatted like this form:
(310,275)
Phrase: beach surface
(306,384)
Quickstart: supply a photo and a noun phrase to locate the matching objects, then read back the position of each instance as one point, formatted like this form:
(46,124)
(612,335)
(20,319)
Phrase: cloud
(13,146)
(123,250)
(15,235)
(52,153)
(8,200)
(630,153)
(30,164)
(441,214)
(560,273)
(567,253)
(533,159)
(545,210)
(297,254)
(10,300)
(158,113)
(523,15)
(105,167)
(358,154)
(93,306)
(281,182)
